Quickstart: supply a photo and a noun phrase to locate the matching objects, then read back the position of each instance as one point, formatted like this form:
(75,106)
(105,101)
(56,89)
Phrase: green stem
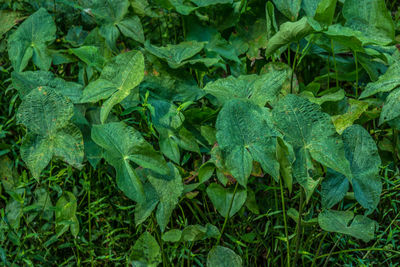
(334,63)
(227,216)
(331,252)
(356,61)
(298,233)
(285,223)
(319,249)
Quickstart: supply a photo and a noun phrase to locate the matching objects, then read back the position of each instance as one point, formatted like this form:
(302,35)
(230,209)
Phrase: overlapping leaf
(338,221)
(122,74)
(46,114)
(312,135)
(123,144)
(362,153)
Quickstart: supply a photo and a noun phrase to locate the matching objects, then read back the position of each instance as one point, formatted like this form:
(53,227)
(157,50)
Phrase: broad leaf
(259,89)
(26,81)
(123,144)
(244,134)
(312,135)
(175,55)
(146,251)
(386,83)
(361,227)
(30,40)
(122,74)
(223,257)
(44,111)
(222,199)
(289,32)
(161,191)
(364,159)
(289,8)
(391,107)
(373,20)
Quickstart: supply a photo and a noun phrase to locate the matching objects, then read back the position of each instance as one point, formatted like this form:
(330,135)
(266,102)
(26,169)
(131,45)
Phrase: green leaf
(361,227)
(146,252)
(355,109)
(329,97)
(26,81)
(169,188)
(175,55)
(123,144)
(321,10)
(90,55)
(386,82)
(373,20)
(31,40)
(7,20)
(391,107)
(119,76)
(206,3)
(244,134)
(364,159)
(222,198)
(223,257)
(66,214)
(132,28)
(259,89)
(289,32)
(44,111)
(312,135)
(289,8)
(65,143)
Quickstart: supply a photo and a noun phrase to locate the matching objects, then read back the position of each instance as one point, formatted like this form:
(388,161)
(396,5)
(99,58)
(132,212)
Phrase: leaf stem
(285,223)
(227,216)
(298,233)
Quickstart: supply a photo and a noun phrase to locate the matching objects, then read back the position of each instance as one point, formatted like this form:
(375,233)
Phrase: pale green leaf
(132,28)
(361,227)
(66,214)
(7,20)
(44,110)
(355,110)
(223,257)
(289,32)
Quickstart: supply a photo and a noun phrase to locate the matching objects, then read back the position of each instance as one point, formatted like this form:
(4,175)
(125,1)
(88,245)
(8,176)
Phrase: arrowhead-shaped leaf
(244,134)
(119,76)
(312,135)
(123,144)
(364,159)
(31,40)
(361,227)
